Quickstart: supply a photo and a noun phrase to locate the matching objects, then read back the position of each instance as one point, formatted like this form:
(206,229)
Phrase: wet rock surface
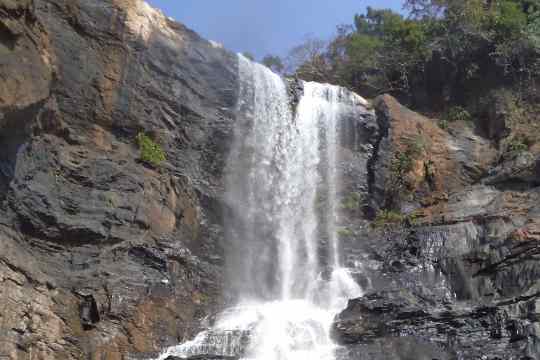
(103,255)
(457,276)
(495,331)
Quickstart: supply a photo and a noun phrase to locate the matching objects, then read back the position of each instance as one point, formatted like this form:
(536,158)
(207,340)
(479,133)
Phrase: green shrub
(345,232)
(401,164)
(457,113)
(389,218)
(429,170)
(404,160)
(443,124)
(151,152)
(518,145)
(351,202)
(476,44)
(416,146)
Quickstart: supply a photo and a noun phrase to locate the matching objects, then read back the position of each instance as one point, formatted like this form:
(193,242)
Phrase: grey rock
(521,169)
(459,331)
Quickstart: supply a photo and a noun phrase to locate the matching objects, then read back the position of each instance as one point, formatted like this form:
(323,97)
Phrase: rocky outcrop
(418,163)
(451,331)
(521,169)
(105,255)
(456,276)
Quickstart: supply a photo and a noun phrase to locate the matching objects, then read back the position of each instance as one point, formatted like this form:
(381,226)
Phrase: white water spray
(284,255)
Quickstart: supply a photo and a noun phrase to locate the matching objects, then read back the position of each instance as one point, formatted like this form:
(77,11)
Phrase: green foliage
(151,152)
(532,30)
(248,55)
(397,185)
(274,63)
(404,160)
(57,174)
(508,20)
(111,200)
(402,164)
(362,49)
(345,232)
(429,169)
(200,298)
(351,202)
(391,218)
(440,55)
(377,22)
(416,146)
(443,124)
(518,144)
(383,50)
(388,217)
(457,113)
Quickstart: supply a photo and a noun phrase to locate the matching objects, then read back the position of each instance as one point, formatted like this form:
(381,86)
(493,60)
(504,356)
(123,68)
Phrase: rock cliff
(452,268)
(106,256)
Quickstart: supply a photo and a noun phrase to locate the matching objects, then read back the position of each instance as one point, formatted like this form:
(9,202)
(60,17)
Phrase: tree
(248,55)
(274,63)
(377,22)
(307,60)
(445,53)
(422,9)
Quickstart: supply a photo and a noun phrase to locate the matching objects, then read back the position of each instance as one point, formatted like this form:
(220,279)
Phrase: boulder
(417,163)
(522,169)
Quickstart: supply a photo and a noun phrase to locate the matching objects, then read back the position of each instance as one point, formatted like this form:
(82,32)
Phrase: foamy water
(281,167)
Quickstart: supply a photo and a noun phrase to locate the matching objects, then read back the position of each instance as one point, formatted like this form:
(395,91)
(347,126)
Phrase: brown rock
(419,161)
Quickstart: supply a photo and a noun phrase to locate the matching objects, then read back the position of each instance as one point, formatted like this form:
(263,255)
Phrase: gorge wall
(103,255)
(107,257)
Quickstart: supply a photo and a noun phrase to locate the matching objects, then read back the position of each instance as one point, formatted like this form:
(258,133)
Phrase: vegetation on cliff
(151,152)
(444,53)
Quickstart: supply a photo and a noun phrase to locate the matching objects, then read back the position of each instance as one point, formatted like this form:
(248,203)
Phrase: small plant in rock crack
(457,113)
(351,202)
(416,146)
(518,145)
(110,200)
(151,152)
(388,218)
(57,174)
(345,232)
(443,124)
(402,164)
(404,160)
(392,218)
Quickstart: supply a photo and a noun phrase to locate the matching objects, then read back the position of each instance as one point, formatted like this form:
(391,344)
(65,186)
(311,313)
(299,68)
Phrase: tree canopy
(440,53)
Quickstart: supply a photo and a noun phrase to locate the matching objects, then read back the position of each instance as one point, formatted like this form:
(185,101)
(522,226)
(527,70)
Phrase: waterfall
(283,255)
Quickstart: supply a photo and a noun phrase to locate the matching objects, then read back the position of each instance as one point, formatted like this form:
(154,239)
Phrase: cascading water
(283,250)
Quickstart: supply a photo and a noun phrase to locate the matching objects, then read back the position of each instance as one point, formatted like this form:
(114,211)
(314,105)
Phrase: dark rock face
(102,255)
(460,280)
(499,331)
(521,170)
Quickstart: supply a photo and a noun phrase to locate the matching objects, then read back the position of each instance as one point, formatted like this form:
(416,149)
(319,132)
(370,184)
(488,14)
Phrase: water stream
(283,253)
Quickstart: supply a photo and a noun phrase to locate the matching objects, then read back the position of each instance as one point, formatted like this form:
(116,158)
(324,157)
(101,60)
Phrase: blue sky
(263,27)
